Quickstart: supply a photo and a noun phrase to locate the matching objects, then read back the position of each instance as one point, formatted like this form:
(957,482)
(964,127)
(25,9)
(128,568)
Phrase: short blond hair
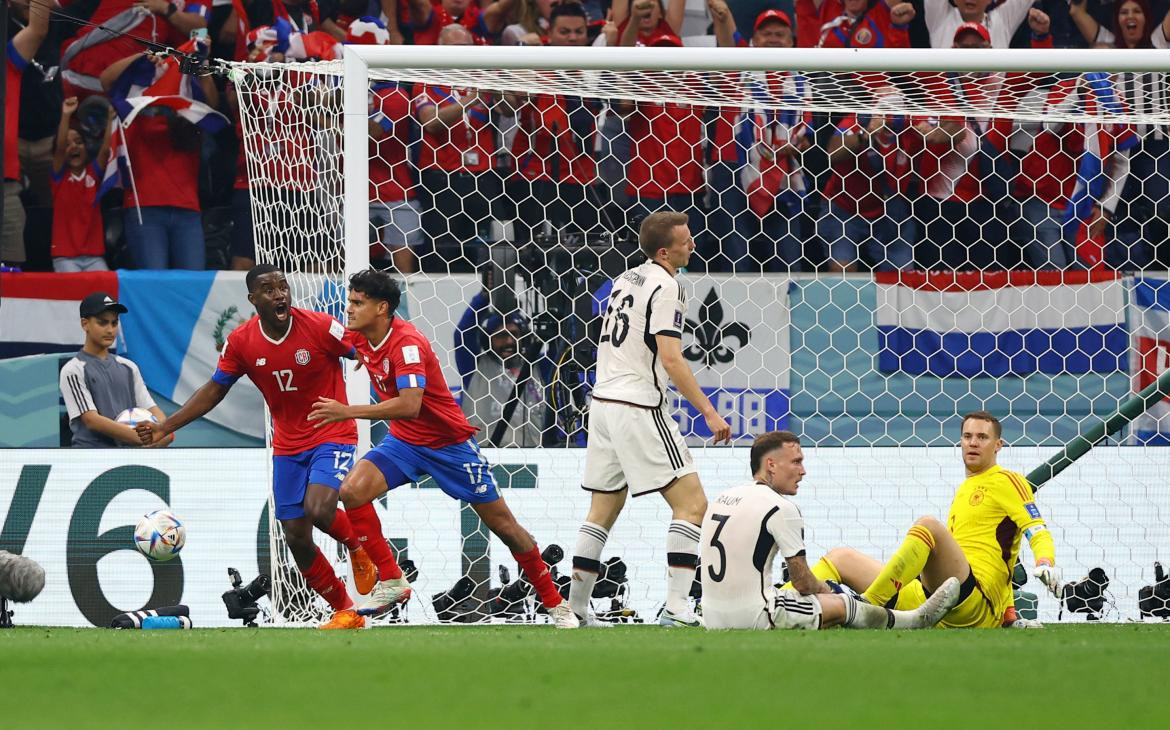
(657,231)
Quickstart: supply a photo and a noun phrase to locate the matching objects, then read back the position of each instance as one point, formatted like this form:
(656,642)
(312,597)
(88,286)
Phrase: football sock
(537,574)
(321,578)
(905,566)
(862,615)
(682,557)
(368,528)
(586,565)
(342,531)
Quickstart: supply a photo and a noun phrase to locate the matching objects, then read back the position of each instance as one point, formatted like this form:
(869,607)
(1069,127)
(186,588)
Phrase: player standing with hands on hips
(634,445)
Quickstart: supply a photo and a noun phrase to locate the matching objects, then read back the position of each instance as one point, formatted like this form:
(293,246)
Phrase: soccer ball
(133,416)
(159,535)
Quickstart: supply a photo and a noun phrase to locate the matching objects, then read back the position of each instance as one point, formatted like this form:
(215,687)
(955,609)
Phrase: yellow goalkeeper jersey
(991,512)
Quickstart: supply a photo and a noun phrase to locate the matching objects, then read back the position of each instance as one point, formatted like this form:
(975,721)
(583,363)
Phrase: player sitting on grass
(429,436)
(979,545)
(292,356)
(745,527)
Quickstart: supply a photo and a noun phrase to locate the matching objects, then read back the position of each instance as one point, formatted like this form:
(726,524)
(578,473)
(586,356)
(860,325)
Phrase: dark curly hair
(377,285)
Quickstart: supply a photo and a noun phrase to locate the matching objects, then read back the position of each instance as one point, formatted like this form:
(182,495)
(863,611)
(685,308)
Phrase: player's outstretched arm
(198,405)
(670,352)
(406,405)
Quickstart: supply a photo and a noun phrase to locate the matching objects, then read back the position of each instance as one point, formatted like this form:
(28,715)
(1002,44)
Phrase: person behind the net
(292,356)
(747,526)
(634,445)
(979,544)
(428,436)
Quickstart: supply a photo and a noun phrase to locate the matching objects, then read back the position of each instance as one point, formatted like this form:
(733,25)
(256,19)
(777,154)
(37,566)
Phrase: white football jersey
(644,302)
(742,531)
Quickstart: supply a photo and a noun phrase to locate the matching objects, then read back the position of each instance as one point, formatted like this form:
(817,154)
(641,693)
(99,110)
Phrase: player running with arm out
(980,543)
(747,526)
(429,436)
(292,356)
(634,444)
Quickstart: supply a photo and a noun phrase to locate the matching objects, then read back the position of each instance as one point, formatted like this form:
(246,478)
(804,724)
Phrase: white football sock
(586,565)
(862,615)
(682,555)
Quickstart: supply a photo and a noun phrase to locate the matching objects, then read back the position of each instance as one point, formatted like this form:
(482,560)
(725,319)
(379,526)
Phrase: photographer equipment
(1086,595)
(613,584)
(457,605)
(138,619)
(21,580)
(1154,601)
(554,281)
(241,599)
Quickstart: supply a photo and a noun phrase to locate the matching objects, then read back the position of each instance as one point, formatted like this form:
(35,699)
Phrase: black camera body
(241,599)
(1086,595)
(508,601)
(1154,600)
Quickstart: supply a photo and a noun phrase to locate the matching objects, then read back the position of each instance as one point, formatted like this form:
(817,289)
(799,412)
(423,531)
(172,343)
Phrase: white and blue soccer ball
(133,416)
(159,535)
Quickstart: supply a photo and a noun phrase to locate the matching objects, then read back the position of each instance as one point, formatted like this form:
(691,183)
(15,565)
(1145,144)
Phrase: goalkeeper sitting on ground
(979,544)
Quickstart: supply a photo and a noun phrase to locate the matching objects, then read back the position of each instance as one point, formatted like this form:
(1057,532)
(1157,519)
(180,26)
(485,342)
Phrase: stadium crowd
(451,168)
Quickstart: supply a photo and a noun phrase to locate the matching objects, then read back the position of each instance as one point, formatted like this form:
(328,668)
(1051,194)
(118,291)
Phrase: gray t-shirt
(107,385)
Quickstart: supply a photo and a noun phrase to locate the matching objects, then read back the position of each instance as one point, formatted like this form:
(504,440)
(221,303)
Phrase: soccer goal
(885,239)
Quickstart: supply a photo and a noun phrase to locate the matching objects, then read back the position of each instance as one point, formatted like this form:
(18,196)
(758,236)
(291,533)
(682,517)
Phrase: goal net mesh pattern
(876,254)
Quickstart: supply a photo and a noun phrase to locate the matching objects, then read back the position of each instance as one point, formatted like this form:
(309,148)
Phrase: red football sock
(342,531)
(368,529)
(537,573)
(321,578)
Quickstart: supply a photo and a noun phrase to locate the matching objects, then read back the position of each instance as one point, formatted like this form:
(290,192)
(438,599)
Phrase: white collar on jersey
(283,337)
(384,339)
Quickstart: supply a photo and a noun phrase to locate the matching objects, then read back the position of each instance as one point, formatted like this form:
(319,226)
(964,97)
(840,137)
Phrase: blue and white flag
(971,324)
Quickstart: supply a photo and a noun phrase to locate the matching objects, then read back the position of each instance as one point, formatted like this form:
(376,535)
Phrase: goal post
(887,239)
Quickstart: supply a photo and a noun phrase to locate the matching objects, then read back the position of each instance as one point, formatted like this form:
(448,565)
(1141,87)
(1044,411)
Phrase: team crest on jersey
(386,364)
(863,36)
(976,497)
(302,356)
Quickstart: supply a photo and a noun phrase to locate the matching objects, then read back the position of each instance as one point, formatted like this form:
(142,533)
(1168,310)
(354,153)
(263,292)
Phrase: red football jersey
(77,219)
(405,360)
(291,374)
(467,146)
(163,175)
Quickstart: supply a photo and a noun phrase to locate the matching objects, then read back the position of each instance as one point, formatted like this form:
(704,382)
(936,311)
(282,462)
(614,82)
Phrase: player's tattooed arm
(803,579)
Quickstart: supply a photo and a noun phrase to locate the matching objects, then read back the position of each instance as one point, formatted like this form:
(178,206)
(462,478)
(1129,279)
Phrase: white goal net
(884,241)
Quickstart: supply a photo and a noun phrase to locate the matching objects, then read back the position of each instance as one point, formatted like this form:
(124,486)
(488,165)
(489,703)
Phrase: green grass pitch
(1067,676)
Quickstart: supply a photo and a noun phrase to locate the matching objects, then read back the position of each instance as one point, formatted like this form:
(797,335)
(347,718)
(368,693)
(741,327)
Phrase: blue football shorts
(293,473)
(460,470)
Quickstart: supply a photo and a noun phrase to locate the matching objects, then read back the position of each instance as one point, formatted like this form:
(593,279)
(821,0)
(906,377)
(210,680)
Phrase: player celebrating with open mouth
(429,436)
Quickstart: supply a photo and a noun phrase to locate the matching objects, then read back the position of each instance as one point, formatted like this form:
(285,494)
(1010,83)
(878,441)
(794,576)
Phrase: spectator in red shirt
(867,212)
(91,51)
(957,158)
(853,23)
(164,228)
(429,18)
(665,169)
(456,155)
(79,238)
(647,20)
(21,49)
(554,147)
(395,218)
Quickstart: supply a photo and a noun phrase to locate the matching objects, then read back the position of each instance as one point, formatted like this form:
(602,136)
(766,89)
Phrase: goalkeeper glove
(1049,575)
